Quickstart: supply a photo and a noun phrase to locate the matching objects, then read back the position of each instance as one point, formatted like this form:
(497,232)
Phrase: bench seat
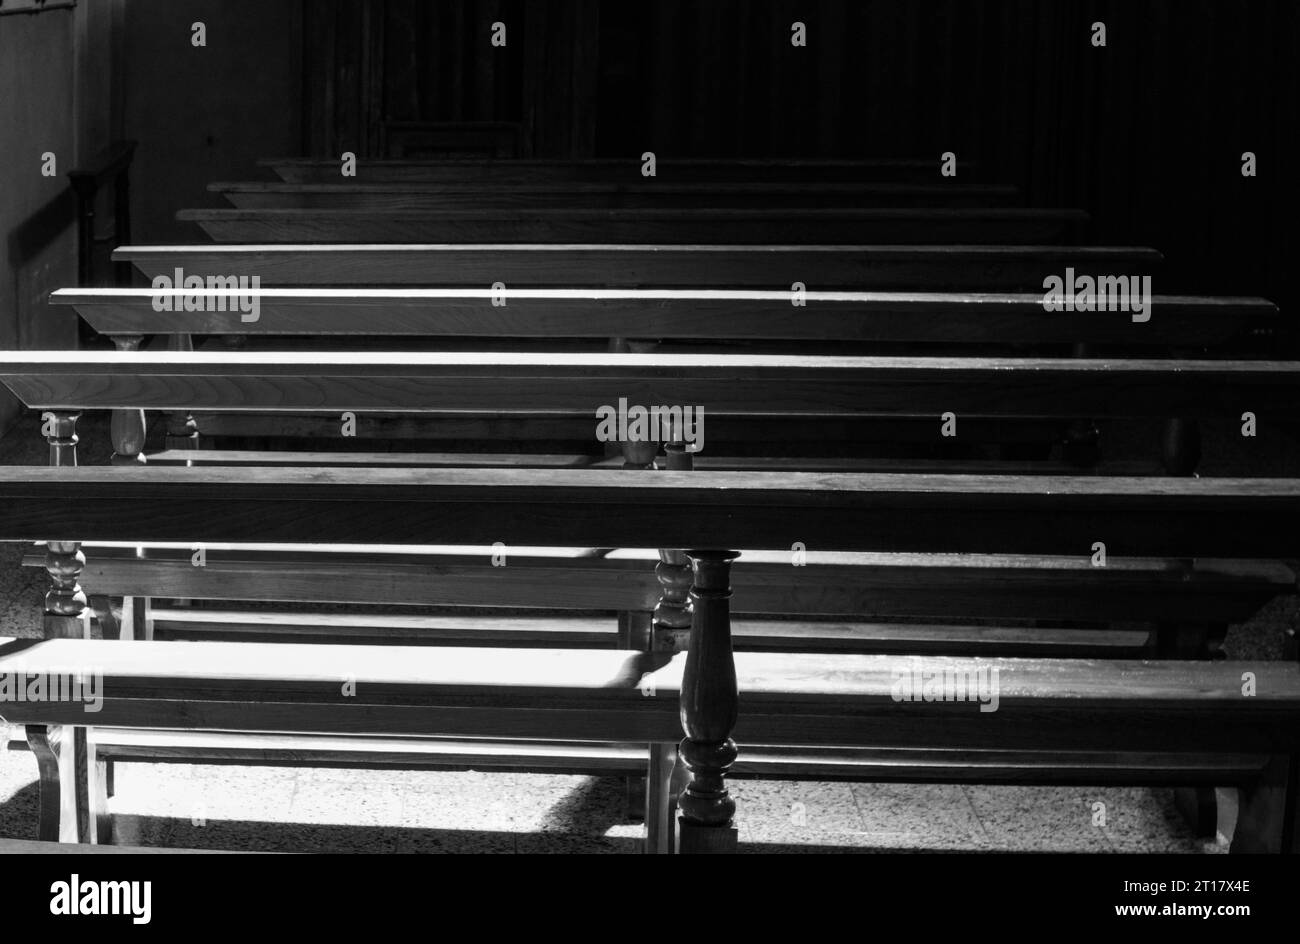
(797,700)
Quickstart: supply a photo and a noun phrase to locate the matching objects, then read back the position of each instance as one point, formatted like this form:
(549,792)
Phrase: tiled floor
(427,811)
(311,809)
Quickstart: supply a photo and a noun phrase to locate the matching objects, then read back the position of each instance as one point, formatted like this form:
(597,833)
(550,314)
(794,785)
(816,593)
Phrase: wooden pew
(577,384)
(964,321)
(441,383)
(1157,707)
(939,322)
(820,268)
(925,226)
(206,375)
(763,389)
(972,604)
(980,602)
(346,194)
(627,169)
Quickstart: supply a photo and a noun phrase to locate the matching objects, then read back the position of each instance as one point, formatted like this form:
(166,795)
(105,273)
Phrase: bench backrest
(985,320)
(253,195)
(860,585)
(821,268)
(583,384)
(936,226)
(1254,517)
(617,170)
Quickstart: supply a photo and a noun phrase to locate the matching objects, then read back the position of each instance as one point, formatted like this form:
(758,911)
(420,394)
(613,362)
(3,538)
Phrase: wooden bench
(795,700)
(212,374)
(925,226)
(310,170)
(577,384)
(574,384)
(956,320)
(819,268)
(834,321)
(346,194)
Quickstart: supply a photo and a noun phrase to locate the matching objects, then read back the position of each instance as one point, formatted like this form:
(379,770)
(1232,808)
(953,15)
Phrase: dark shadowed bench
(1000,225)
(806,700)
(94,384)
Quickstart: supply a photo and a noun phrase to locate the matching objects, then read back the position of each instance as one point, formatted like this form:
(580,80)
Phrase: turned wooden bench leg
(64,773)
(672,616)
(1268,817)
(70,777)
(670,632)
(709,707)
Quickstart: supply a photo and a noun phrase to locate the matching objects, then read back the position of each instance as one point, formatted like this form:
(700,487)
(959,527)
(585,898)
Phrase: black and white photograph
(611,427)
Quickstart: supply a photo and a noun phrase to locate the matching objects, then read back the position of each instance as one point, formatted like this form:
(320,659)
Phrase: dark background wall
(54,67)
(1146,133)
(205,114)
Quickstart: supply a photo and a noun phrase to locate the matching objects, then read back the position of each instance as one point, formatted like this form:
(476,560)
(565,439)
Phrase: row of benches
(838,513)
(1179,709)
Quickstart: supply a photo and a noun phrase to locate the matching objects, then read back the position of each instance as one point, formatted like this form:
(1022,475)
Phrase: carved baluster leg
(182,431)
(62,437)
(670,631)
(65,618)
(672,622)
(65,615)
(709,705)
